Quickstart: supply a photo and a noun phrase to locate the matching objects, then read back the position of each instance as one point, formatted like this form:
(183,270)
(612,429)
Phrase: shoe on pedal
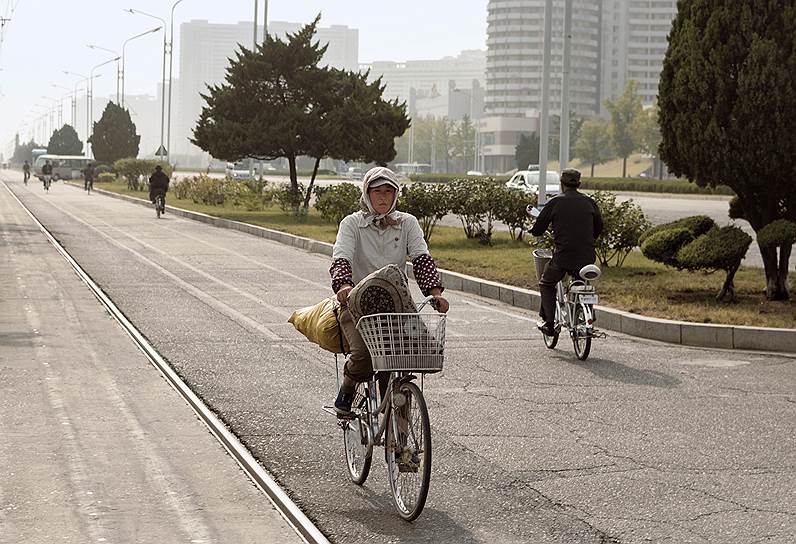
(547,328)
(342,405)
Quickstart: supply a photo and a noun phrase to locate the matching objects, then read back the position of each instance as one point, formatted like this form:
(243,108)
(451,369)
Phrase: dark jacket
(576,222)
(47,169)
(158,182)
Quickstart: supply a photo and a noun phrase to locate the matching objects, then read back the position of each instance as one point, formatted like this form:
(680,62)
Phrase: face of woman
(381,198)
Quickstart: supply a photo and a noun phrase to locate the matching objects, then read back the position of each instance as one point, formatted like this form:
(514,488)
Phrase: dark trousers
(552,274)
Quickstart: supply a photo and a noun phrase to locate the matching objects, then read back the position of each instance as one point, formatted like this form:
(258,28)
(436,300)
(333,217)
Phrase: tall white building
(634,43)
(205,50)
(515,38)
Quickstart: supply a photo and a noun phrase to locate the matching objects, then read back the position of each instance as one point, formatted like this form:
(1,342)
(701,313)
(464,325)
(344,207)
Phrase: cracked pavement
(643,442)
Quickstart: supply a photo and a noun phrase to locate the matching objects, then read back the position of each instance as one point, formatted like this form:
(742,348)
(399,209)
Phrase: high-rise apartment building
(205,50)
(515,39)
(634,42)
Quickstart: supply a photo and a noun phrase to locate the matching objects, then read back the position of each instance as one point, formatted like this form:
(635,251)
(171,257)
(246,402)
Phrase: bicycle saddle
(590,272)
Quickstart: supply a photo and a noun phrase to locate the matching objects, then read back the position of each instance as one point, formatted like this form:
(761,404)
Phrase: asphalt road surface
(643,442)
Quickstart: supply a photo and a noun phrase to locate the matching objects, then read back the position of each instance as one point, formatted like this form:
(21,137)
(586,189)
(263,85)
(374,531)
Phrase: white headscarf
(375,177)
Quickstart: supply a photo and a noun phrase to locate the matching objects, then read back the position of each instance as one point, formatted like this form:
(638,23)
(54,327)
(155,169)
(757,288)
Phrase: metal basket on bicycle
(540,258)
(404,342)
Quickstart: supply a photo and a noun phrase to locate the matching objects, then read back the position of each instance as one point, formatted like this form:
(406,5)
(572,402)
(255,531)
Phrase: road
(642,442)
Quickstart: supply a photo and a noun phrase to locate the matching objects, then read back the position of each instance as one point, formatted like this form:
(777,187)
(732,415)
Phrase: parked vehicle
(528,181)
(241,170)
(64,166)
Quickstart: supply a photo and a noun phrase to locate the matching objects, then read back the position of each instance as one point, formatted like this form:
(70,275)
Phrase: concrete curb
(663,330)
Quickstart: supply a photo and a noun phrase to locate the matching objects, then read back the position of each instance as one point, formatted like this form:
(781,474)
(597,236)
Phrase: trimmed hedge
(662,246)
(697,225)
(718,249)
(106,177)
(648,185)
(777,233)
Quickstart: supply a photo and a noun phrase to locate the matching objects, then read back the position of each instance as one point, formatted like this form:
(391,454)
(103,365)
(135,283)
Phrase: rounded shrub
(429,203)
(106,177)
(777,233)
(662,246)
(718,249)
(697,225)
(337,201)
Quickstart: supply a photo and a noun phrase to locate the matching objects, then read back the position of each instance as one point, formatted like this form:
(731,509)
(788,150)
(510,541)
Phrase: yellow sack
(319,324)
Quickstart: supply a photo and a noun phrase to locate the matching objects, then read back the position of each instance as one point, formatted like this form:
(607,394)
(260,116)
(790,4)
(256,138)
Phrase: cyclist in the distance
(26,172)
(88,177)
(158,185)
(46,173)
(576,223)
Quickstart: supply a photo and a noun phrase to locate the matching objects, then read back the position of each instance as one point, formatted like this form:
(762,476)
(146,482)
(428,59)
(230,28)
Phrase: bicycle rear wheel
(408,451)
(356,434)
(581,335)
(158,206)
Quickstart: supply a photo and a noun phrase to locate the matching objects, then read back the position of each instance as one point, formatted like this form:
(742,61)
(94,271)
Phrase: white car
(528,181)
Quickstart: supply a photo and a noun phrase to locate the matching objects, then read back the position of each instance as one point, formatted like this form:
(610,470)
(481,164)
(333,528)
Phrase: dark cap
(158,167)
(570,177)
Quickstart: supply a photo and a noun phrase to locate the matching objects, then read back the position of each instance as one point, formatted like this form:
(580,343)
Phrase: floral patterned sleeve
(426,274)
(341,274)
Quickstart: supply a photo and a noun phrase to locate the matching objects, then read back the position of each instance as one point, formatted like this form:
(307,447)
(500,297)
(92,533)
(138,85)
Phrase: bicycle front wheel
(408,451)
(552,339)
(356,435)
(581,333)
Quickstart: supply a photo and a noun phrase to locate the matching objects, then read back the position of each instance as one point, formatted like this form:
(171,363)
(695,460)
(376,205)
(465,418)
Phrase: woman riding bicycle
(367,240)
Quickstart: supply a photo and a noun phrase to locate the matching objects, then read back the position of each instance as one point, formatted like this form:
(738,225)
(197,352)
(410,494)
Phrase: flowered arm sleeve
(426,274)
(341,274)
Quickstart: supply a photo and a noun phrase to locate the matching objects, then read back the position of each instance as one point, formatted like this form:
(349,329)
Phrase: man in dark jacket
(88,176)
(576,222)
(158,184)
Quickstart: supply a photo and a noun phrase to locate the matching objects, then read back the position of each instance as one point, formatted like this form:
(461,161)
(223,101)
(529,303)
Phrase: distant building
(634,42)
(205,50)
(431,81)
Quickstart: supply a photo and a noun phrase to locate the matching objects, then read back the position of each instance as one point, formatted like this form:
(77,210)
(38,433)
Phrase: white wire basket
(404,342)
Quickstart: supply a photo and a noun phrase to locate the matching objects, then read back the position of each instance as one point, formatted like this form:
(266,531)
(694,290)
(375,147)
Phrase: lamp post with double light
(118,67)
(124,45)
(163,78)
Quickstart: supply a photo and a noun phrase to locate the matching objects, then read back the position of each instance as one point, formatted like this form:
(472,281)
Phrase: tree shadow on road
(617,372)
(17,339)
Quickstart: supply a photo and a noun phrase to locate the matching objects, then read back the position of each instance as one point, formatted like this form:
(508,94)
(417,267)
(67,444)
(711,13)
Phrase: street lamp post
(123,47)
(171,62)
(52,112)
(74,97)
(61,102)
(163,78)
(90,104)
(118,68)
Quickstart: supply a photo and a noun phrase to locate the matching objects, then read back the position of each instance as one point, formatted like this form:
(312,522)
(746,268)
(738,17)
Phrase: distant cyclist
(158,185)
(26,172)
(88,177)
(47,174)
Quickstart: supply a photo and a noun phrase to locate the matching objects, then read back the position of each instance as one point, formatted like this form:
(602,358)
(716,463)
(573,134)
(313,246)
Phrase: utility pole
(544,116)
(563,150)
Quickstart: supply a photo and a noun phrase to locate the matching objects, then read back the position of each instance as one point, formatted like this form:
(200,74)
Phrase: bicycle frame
(566,304)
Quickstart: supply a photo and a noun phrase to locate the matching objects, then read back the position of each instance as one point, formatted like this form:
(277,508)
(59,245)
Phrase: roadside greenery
(337,201)
(65,141)
(137,171)
(114,135)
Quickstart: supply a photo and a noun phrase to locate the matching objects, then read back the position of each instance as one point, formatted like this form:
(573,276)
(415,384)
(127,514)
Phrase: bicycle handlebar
(425,301)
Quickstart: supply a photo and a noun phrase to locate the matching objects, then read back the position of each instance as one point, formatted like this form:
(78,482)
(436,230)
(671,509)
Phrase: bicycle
(160,205)
(88,185)
(47,182)
(574,306)
(25,177)
(401,345)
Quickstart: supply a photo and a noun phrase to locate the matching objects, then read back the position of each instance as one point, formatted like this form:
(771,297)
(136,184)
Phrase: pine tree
(114,136)
(65,141)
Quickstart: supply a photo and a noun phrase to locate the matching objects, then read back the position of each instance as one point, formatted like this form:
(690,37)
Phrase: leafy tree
(727,102)
(24,152)
(114,136)
(512,208)
(554,143)
(65,141)
(624,111)
(337,201)
(527,150)
(278,102)
(464,144)
(648,132)
(593,145)
(475,201)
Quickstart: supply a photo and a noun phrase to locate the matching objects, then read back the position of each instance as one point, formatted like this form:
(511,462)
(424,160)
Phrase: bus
(64,166)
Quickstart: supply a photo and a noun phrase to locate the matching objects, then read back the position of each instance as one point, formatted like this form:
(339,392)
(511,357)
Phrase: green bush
(649,185)
(718,249)
(429,203)
(137,171)
(448,178)
(106,177)
(623,226)
(337,201)
(777,233)
(512,208)
(475,201)
(252,194)
(288,200)
(202,189)
(697,225)
(103,169)
(663,245)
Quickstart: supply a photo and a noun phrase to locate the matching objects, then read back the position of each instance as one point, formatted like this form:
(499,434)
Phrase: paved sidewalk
(96,447)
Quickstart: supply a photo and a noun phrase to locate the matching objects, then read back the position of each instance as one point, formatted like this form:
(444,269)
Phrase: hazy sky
(46,37)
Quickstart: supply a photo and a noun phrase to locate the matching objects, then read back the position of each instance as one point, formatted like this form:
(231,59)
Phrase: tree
(554,142)
(65,141)
(593,145)
(114,136)
(527,150)
(277,102)
(624,111)
(648,132)
(24,152)
(463,142)
(727,102)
